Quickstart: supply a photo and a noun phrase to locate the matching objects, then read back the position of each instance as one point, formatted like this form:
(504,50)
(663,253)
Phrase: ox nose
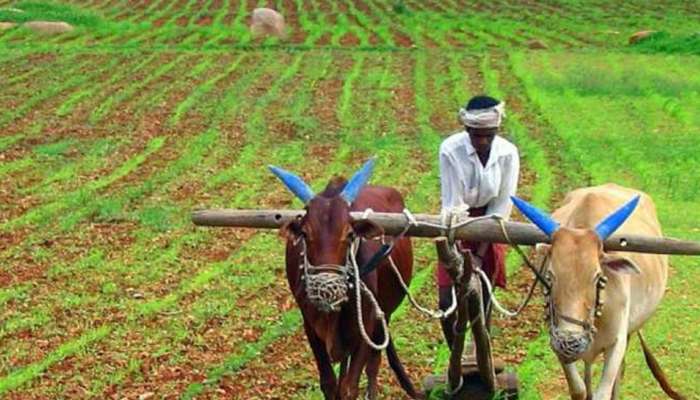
(568,345)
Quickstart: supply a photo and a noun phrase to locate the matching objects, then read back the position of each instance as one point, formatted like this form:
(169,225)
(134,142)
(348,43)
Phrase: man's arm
(502,204)
(450,187)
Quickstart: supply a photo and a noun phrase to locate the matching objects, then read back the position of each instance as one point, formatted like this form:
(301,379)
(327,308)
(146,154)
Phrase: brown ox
(324,234)
(582,278)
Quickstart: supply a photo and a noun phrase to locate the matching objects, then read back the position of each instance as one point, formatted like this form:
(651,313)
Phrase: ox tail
(656,370)
(400,372)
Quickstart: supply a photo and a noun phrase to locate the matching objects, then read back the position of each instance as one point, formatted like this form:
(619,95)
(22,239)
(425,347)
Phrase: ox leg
(323,362)
(349,385)
(372,368)
(343,368)
(613,360)
(372,371)
(577,388)
(620,374)
(588,379)
(618,381)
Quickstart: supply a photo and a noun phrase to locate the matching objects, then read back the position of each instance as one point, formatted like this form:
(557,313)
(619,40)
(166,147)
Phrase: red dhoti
(494,261)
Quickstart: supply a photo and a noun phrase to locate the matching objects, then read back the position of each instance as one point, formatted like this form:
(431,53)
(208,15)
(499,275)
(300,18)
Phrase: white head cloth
(484,117)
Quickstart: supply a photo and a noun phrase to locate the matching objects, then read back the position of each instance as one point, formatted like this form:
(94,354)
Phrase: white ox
(597,300)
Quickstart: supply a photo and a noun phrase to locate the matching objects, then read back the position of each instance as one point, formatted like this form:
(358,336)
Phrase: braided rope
(360,288)
(449,226)
(328,287)
(538,277)
(567,345)
(327,291)
(435,314)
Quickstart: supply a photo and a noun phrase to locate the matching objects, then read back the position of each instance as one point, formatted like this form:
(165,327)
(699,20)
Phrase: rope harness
(328,286)
(566,344)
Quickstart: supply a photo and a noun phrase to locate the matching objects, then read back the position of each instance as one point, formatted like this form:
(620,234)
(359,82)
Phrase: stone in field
(266,21)
(7,25)
(49,27)
(536,44)
(639,36)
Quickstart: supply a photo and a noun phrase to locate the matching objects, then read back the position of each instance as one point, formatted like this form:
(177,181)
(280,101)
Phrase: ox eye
(601,281)
(549,276)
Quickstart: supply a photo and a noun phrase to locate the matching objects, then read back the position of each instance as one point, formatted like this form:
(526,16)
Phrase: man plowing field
(478,172)
(349,264)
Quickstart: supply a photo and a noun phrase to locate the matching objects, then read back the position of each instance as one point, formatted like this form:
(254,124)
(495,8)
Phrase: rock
(639,36)
(7,25)
(146,396)
(267,22)
(536,44)
(49,27)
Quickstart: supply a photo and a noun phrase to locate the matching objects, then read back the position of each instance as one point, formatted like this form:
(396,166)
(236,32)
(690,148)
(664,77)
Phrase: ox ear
(367,229)
(543,250)
(355,184)
(291,230)
(620,264)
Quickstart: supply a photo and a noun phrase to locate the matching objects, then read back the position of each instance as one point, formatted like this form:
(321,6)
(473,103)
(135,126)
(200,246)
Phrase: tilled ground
(107,291)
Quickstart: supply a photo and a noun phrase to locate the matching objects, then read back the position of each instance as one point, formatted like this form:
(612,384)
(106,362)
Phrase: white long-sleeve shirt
(465,181)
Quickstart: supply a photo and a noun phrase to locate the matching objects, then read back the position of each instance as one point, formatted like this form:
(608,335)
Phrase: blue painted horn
(355,184)
(295,184)
(612,222)
(538,217)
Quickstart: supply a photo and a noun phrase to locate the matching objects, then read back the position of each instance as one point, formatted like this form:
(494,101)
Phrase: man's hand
(474,259)
(477,260)
(483,248)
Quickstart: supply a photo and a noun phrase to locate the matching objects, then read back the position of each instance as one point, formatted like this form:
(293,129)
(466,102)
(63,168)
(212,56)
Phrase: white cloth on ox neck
(484,117)
(464,181)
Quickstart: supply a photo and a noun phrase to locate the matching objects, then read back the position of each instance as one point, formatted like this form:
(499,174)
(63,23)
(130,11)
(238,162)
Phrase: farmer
(479,172)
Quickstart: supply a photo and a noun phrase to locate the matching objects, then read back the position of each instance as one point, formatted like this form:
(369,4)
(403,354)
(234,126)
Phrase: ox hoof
(580,396)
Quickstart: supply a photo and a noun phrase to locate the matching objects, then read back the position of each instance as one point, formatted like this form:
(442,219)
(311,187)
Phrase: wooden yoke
(481,230)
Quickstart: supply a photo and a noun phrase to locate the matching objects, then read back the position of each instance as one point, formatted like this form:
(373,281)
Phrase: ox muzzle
(326,286)
(570,345)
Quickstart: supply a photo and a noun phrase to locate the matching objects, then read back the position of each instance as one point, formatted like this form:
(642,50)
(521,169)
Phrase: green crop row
(579,123)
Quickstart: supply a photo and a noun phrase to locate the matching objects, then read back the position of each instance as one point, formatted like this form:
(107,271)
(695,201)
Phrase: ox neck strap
(373,262)
(383,252)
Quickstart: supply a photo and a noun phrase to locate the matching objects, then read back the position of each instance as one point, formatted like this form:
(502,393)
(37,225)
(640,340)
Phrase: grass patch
(49,11)
(158,218)
(664,42)
(8,141)
(55,149)
(635,139)
(289,322)
(26,374)
(83,196)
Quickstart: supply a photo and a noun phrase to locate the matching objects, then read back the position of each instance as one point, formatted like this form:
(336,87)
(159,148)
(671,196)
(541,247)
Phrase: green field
(110,135)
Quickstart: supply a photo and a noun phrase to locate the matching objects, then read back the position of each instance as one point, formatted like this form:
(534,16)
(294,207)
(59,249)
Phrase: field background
(110,135)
